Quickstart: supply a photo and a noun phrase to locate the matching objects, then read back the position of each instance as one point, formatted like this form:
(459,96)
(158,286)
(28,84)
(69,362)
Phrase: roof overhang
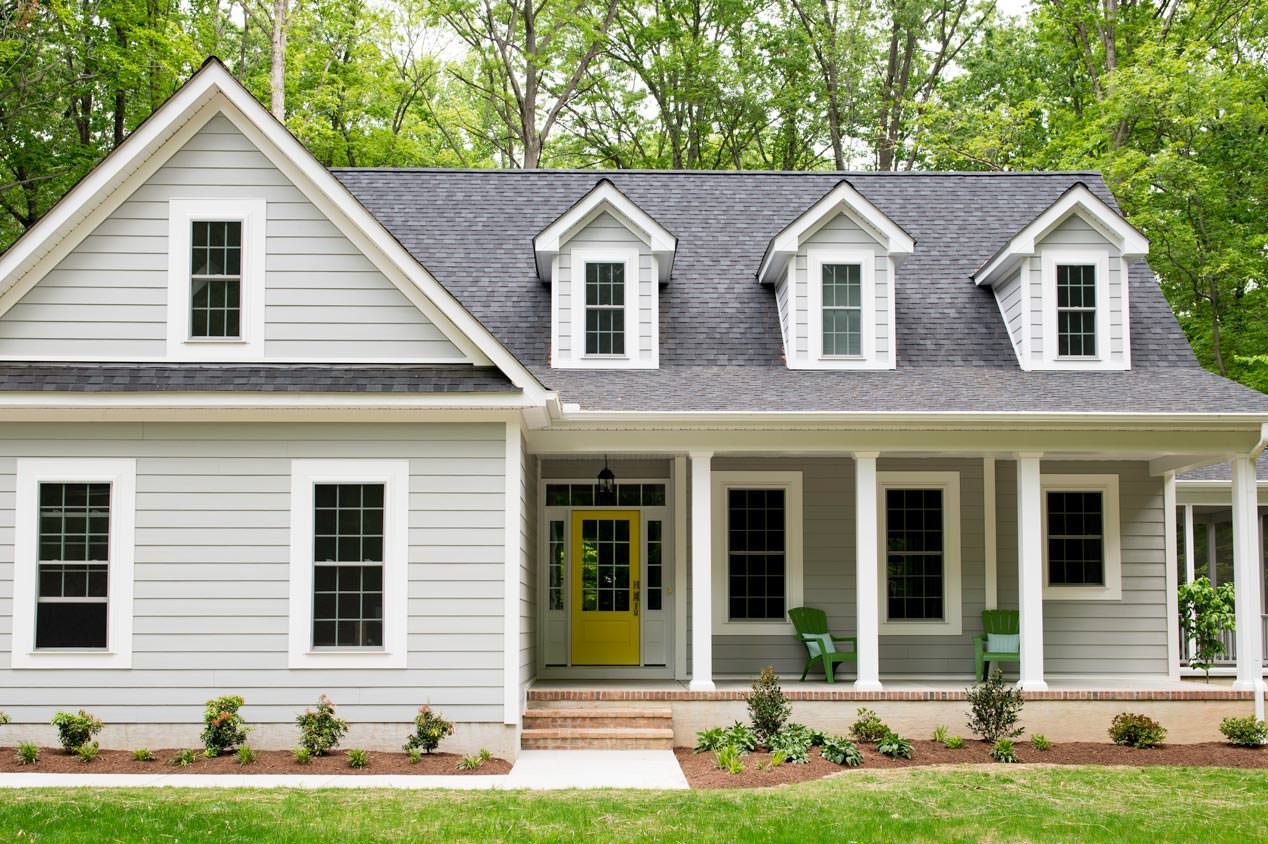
(605,197)
(1077,200)
(842,199)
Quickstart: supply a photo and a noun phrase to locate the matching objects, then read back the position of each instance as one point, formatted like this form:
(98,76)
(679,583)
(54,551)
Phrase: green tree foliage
(1206,614)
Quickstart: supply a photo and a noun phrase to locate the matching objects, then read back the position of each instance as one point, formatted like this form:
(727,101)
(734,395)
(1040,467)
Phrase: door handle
(637,593)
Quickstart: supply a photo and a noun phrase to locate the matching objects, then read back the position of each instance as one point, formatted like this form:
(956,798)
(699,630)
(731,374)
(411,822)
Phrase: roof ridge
(604,172)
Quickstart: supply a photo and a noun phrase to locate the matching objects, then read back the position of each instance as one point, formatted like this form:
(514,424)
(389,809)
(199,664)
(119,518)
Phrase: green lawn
(1082,805)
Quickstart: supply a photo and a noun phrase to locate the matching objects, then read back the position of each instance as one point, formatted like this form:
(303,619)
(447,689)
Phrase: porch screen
(1076,541)
(756,554)
(914,571)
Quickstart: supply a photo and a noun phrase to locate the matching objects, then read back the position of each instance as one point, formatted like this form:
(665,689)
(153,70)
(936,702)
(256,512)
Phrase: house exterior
(278,431)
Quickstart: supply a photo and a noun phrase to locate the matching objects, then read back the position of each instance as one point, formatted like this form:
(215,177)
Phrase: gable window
(757,547)
(1081,537)
(920,554)
(1076,310)
(73,555)
(216,279)
(349,569)
(842,310)
(605,308)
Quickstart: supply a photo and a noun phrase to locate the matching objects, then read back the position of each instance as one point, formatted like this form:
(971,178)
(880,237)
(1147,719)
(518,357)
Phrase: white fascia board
(213,89)
(842,199)
(1079,200)
(605,196)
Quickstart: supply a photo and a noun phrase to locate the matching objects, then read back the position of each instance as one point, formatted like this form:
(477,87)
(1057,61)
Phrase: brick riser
(607,728)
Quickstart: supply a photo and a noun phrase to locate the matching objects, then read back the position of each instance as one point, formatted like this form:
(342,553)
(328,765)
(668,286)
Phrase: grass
(1035,804)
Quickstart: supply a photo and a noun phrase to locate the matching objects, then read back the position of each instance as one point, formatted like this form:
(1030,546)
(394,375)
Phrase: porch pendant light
(606,481)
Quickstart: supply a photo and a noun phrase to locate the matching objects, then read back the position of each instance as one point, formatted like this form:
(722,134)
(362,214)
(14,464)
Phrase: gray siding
(844,232)
(1009,297)
(211,576)
(323,298)
(606,231)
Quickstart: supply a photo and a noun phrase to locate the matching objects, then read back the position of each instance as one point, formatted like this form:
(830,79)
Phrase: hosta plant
(894,746)
(841,751)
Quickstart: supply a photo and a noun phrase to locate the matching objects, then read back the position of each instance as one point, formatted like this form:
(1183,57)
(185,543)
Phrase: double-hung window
(216,279)
(1076,310)
(920,553)
(605,307)
(73,561)
(349,567)
(1082,552)
(842,310)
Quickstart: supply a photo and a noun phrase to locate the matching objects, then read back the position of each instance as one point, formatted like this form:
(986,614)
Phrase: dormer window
(1076,310)
(605,308)
(842,309)
(216,278)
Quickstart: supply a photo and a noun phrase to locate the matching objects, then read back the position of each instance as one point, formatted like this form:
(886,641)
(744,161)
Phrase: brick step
(610,738)
(593,717)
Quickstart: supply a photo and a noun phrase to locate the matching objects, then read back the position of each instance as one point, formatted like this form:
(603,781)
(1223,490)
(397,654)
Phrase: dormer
(833,272)
(1061,285)
(605,259)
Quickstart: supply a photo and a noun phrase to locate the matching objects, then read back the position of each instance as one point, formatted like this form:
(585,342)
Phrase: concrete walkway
(535,769)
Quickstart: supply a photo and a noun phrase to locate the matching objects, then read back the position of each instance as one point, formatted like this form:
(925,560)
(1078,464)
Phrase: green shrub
(429,729)
(841,751)
(1040,742)
(303,756)
(358,759)
(4,718)
(994,708)
(768,709)
(88,752)
(184,759)
(894,746)
(1244,732)
(941,733)
(793,743)
(224,728)
(320,729)
(1206,613)
(74,731)
(470,763)
(142,754)
(28,753)
(415,755)
(868,726)
(246,756)
(729,759)
(953,743)
(737,734)
(1003,750)
(1136,730)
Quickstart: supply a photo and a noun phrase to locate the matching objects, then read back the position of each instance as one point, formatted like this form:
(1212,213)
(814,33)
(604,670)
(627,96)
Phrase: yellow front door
(605,587)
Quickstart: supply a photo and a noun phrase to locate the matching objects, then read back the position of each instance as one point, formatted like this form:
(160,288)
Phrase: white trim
(842,199)
(701,571)
(1078,200)
(1172,576)
(990,551)
(1107,485)
(605,197)
(866,544)
(679,478)
(794,518)
(953,607)
(121,475)
(181,214)
(1124,283)
(394,475)
(511,587)
(816,257)
(579,257)
(1104,359)
(1030,553)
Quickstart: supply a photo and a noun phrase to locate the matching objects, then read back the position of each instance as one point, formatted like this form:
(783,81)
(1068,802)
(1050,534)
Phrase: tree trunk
(277,71)
(1216,345)
(120,97)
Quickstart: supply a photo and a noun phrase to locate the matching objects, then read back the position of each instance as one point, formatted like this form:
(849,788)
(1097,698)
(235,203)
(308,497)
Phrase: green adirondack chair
(998,623)
(812,630)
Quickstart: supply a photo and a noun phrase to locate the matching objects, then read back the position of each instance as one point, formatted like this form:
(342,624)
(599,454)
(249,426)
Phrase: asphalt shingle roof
(719,332)
(255,378)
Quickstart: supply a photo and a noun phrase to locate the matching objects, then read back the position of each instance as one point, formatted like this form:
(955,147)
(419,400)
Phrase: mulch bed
(701,772)
(53,760)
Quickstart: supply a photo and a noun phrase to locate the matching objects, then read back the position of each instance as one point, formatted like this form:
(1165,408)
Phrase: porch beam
(866,563)
(1030,571)
(701,571)
(1247,582)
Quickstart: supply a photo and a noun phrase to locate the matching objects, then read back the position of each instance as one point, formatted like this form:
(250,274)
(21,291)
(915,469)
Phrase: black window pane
(346,600)
(605,308)
(70,625)
(1076,310)
(1076,544)
(914,554)
(755,553)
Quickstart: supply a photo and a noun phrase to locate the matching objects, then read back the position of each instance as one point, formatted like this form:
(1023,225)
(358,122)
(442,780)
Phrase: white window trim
(1053,256)
(1107,485)
(576,357)
(952,603)
(121,475)
(394,475)
(791,483)
(252,213)
(816,257)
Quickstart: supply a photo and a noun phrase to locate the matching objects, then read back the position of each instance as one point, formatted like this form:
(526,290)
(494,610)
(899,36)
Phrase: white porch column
(701,571)
(1030,572)
(866,563)
(1172,561)
(1190,545)
(1246,580)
